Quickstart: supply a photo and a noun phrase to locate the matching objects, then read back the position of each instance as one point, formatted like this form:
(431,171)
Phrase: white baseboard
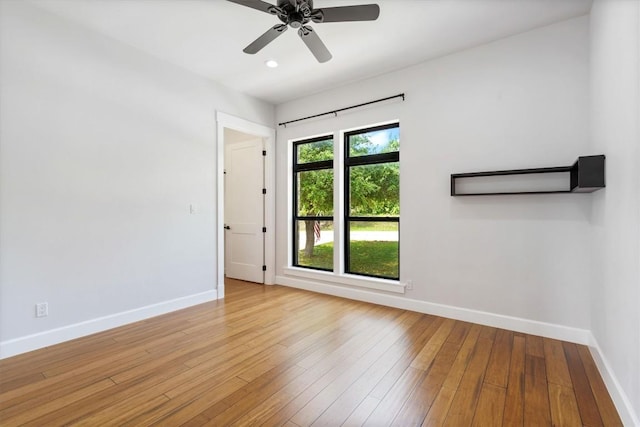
(533,327)
(55,336)
(620,398)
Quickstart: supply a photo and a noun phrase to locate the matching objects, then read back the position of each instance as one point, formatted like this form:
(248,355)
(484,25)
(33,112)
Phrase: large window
(372,201)
(313,203)
(369,216)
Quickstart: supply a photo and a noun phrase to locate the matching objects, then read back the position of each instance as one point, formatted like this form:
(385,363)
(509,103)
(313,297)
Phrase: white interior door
(244,210)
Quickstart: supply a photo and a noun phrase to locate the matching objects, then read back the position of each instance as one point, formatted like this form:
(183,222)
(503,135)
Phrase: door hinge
(264,268)
(264,191)
(264,229)
(264,152)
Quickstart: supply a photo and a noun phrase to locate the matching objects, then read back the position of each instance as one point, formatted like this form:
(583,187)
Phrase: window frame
(369,159)
(306,167)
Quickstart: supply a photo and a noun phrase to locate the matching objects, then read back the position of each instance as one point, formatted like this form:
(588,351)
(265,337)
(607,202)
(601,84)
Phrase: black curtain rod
(335,112)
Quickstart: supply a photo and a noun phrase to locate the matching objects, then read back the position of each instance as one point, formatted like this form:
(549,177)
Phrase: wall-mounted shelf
(584,176)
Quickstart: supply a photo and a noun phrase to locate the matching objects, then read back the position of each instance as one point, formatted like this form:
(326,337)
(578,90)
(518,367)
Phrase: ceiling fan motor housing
(296,13)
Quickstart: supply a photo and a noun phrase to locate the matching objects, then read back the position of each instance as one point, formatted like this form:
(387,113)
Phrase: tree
(374,189)
(315,188)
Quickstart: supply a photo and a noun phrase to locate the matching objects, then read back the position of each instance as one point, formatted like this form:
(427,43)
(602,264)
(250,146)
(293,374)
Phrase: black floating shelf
(585,176)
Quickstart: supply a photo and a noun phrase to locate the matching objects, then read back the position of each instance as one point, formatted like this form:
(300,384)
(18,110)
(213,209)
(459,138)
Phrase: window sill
(348,279)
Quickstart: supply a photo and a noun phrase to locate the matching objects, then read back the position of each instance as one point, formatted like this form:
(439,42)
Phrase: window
(372,201)
(313,203)
(369,218)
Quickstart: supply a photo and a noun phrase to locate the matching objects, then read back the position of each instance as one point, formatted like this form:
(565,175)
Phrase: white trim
(339,224)
(533,327)
(228,121)
(348,279)
(55,336)
(620,398)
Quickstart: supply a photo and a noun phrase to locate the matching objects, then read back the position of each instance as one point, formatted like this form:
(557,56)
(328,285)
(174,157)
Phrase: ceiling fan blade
(270,35)
(315,45)
(256,4)
(365,12)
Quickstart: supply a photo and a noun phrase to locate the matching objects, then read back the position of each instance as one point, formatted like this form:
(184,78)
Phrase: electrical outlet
(42,309)
(409,285)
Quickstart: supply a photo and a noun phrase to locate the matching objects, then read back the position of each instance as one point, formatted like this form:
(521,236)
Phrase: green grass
(374,226)
(367,257)
(322,257)
(375,258)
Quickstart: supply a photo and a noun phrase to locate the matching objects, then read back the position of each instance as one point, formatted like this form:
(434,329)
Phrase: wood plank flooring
(275,356)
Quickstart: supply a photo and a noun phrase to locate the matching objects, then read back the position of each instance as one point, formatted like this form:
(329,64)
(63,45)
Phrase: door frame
(227,121)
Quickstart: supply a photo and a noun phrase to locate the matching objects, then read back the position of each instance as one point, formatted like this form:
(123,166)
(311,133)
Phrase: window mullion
(347,204)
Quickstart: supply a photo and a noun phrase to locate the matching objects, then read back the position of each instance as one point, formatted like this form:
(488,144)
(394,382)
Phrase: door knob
(226,227)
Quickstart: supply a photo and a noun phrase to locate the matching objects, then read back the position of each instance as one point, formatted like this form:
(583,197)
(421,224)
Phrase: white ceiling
(207,36)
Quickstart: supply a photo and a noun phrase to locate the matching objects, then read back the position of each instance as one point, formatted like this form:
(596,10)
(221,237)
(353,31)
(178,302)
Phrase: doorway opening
(245,201)
(244,206)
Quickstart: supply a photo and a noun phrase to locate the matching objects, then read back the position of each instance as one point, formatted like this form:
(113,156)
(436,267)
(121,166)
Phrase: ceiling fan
(297,14)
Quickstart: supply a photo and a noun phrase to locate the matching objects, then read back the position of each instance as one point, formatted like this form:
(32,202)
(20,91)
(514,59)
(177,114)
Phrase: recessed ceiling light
(271,63)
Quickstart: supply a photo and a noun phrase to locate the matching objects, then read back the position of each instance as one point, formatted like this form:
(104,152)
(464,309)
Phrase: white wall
(103,149)
(518,102)
(615,122)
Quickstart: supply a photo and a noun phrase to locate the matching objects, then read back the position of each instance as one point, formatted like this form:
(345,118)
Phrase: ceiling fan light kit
(297,14)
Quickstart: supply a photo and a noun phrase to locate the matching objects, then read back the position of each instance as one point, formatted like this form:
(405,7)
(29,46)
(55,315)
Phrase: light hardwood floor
(280,356)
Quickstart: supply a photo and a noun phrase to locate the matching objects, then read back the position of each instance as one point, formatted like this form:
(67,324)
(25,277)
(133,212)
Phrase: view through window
(371,220)
(313,203)
(372,201)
